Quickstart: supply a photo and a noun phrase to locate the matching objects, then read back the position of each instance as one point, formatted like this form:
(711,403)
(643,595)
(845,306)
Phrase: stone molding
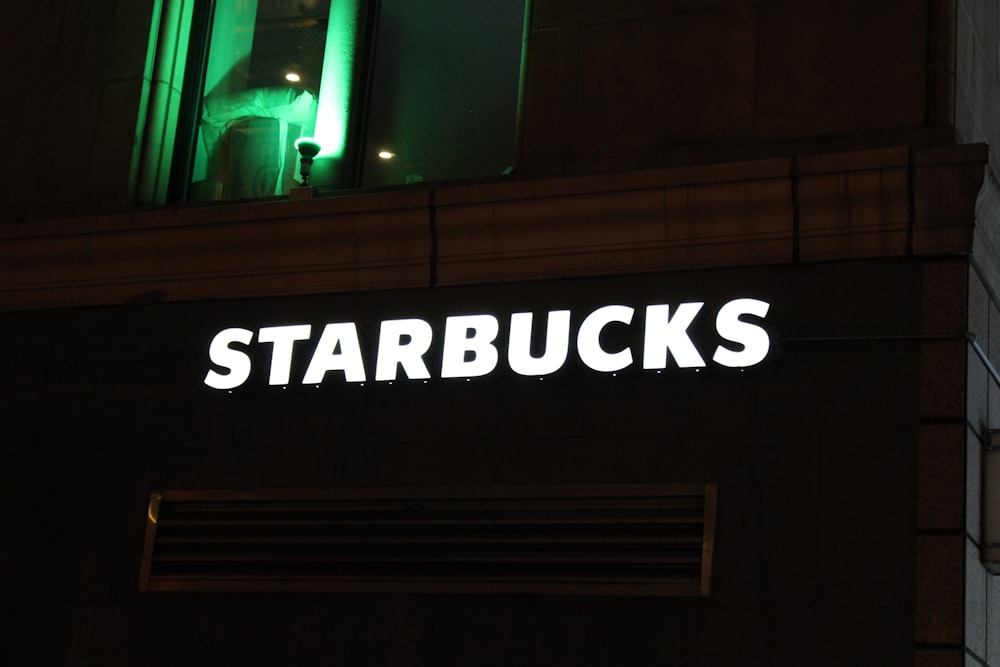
(862,204)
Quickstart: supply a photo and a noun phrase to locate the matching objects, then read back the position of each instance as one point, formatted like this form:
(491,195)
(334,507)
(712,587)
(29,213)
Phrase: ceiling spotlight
(293,77)
(386,155)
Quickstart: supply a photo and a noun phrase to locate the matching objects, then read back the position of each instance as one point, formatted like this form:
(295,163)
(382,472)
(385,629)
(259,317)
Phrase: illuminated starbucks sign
(473,345)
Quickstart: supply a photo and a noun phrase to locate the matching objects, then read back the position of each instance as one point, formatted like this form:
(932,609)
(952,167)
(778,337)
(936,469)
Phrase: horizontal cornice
(863,204)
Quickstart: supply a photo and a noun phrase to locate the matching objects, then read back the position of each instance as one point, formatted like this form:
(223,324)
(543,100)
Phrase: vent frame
(527,540)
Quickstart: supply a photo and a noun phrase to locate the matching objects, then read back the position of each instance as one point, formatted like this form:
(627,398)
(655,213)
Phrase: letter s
(754,339)
(237,363)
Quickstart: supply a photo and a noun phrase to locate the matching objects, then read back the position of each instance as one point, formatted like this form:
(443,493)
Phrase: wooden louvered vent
(607,540)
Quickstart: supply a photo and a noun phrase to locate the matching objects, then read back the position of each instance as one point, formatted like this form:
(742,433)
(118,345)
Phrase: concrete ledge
(300,247)
(861,204)
(726,216)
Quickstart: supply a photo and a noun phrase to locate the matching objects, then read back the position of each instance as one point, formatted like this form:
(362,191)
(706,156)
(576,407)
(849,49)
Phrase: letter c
(588,340)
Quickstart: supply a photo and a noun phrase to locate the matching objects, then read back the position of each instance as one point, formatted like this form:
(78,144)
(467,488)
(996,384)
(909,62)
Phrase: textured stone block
(939,657)
(992,614)
(945,183)
(941,470)
(61,523)
(866,518)
(861,212)
(551,633)
(21,397)
(944,291)
(725,636)
(86,41)
(992,342)
(648,85)
(978,386)
(550,14)
(130,39)
(62,153)
(942,379)
(320,245)
(107,177)
(40,633)
(877,637)
(842,393)
(973,484)
(977,623)
(940,62)
(550,109)
(789,478)
(940,589)
(31,37)
(615,228)
(872,80)
(979,308)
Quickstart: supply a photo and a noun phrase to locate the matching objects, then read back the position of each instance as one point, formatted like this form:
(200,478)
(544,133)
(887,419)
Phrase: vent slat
(422,554)
(472,505)
(433,522)
(653,540)
(418,559)
(217,580)
(455,517)
(303,541)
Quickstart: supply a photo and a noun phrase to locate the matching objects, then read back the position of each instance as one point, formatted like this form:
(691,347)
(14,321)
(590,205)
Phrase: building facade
(695,369)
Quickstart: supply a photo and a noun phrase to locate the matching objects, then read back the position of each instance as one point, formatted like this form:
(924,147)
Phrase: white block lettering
(469,334)
(237,363)
(755,340)
(327,358)
(556,344)
(393,351)
(665,333)
(281,356)
(588,340)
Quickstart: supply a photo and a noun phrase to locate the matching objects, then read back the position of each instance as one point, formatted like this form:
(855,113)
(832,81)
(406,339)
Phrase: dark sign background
(813,451)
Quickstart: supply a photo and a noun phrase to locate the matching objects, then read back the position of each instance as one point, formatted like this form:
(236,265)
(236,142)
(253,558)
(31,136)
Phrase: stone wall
(72,83)
(624,84)
(977,98)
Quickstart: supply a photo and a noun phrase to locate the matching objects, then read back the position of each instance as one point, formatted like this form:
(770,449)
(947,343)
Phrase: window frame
(167,128)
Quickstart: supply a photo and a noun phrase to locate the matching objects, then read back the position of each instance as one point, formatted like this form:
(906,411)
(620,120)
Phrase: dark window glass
(444,90)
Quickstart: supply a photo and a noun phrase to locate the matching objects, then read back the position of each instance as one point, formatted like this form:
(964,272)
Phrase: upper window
(393,91)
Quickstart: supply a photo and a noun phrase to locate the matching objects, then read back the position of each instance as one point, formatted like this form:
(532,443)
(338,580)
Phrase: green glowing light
(164,74)
(335,84)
